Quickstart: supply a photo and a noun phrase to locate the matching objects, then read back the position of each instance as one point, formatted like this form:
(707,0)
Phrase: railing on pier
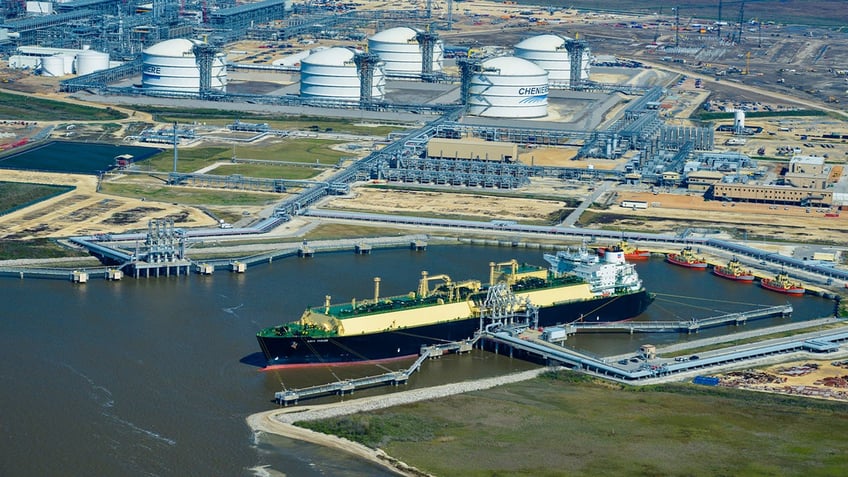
(292,396)
(689,326)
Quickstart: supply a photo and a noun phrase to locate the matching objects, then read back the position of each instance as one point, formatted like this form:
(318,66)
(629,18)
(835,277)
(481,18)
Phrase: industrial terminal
(551,106)
(621,148)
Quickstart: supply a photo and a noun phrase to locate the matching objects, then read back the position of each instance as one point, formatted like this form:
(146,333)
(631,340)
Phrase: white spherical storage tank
(549,52)
(509,87)
(332,74)
(400,50)
(171,66)
(52,66)
(89,61)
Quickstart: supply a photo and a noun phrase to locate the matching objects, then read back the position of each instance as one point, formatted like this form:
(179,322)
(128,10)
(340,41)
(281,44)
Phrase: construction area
(633,127)
(816,379)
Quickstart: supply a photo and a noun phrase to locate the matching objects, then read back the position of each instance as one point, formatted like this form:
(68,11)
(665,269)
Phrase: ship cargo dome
(171,66)
(548,52)
(509,87)
(401,52)
(332,74)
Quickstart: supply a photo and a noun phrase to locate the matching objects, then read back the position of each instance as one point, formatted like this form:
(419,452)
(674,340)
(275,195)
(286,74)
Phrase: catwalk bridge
(689,326)
(292,396)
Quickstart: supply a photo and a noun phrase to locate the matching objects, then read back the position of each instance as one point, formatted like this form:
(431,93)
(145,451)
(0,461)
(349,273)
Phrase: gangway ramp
(292,396)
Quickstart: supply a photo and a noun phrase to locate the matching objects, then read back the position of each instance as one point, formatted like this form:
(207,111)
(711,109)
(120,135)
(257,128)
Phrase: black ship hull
(406,342)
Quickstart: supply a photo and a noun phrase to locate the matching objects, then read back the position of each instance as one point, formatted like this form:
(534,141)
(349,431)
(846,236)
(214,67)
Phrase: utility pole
(718,22)
(676,27)
(741,22)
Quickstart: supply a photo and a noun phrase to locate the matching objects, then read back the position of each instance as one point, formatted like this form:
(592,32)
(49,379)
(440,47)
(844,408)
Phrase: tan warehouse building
(773,194)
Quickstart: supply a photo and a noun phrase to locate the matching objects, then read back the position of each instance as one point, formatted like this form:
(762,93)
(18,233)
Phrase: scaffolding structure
(427,42)
(366,64)
(204,54)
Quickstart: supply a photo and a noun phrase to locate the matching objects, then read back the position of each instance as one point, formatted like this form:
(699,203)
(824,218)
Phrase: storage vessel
(397,326)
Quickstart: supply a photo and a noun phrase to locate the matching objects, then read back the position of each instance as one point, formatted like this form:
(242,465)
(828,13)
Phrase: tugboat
(630,252)
(686,258)
(783,284)
(734,271)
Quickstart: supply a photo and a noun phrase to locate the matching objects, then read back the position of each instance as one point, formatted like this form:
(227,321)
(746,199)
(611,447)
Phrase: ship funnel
(376,289)
(614,257)
(326,304)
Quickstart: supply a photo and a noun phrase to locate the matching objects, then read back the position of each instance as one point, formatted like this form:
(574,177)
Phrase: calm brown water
(154,377)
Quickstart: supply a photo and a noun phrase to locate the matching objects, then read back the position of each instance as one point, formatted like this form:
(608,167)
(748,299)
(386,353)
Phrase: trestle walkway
(690,326)
(292,396)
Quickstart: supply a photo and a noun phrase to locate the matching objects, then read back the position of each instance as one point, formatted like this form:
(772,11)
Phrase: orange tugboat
(686,258)
(630,252)
(734,271)
(783,284)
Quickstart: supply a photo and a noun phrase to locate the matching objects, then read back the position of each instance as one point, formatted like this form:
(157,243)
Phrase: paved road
(575,215)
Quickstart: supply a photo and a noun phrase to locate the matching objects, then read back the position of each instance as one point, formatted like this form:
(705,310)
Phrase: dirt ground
(810,378)
(84,211)
(790,223)
(446,205)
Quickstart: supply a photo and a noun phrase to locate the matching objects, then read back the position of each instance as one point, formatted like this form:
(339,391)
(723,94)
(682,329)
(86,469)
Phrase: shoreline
(281,421)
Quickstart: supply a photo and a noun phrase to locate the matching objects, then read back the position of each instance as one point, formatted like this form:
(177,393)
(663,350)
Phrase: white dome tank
(89,61)
(332,74)
(400,50)
(69,63)
(171,66)
(548,51)
(511,88)
(52,66)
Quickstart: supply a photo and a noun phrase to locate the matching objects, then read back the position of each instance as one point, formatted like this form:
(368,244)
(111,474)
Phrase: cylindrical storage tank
(399,49)
(549,52)
(171,66)
(89,61)
(332,74)
(69,63)
(509,87)
(52,66)
(738,120)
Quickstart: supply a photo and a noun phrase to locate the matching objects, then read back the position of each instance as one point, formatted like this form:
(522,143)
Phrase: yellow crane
(747,63)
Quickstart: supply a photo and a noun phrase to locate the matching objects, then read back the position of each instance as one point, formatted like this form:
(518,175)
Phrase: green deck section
(396,303)
(293,330)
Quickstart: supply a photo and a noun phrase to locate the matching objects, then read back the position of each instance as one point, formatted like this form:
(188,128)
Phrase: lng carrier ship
(577,286)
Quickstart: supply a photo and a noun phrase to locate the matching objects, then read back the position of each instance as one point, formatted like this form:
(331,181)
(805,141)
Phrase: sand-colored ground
(85,211)
(790,223)
(446,205)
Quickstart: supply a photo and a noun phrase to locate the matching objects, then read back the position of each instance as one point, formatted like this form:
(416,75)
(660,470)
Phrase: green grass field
(188,195)
(300,123)
(570,425)
(28,108)
(12,249)
(14,195)
(300,150)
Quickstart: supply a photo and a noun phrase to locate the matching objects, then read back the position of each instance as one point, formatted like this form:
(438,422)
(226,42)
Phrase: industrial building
(772,194)
(484,107)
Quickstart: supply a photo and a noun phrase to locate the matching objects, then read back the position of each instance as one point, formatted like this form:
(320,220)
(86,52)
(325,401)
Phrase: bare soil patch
(445,204)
